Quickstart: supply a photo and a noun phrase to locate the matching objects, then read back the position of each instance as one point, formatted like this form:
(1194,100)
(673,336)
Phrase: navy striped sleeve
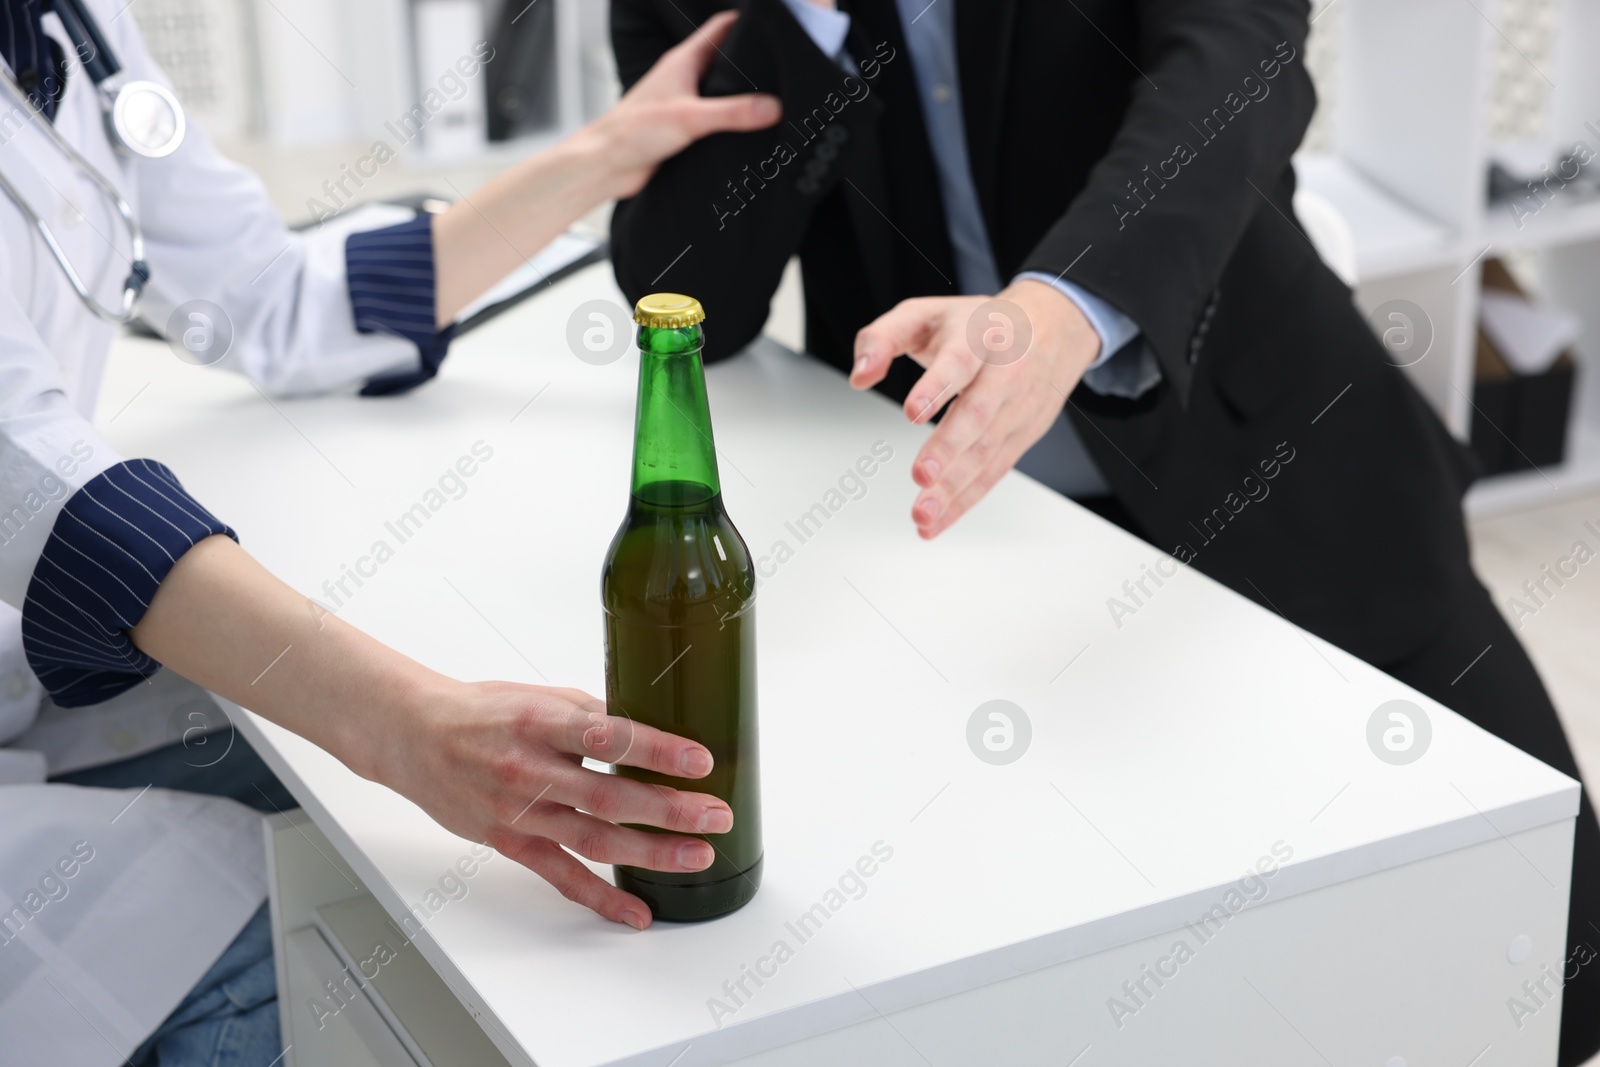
(112,545)
(391,278)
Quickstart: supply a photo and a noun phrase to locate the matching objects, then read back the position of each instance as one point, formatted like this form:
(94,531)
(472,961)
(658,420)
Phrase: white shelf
(1565,220)
(1522,490)
(1408,170)
(1391,237)
(1569,217)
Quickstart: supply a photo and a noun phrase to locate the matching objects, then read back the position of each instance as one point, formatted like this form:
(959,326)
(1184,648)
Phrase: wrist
(1057,319)
(591,156)
(380,743)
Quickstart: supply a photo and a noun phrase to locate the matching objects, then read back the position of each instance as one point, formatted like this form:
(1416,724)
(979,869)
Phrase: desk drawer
(353,991)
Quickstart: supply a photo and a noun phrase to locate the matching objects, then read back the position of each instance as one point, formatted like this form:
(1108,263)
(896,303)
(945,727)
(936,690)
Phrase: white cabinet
(1409,170)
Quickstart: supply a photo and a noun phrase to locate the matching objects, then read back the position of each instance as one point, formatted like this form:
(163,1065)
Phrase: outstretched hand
(1003,365)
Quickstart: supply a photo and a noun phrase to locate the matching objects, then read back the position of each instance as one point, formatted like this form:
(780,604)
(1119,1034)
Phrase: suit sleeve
(720,220)
(1220,102)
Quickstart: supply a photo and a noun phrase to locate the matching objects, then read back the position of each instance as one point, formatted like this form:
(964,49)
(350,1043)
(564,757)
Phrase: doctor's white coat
(91,962)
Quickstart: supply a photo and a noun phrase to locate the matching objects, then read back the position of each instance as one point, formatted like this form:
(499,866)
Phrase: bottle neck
(674,459)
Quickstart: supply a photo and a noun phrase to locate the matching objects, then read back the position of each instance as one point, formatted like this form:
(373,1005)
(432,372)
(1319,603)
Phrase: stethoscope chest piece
(143,118)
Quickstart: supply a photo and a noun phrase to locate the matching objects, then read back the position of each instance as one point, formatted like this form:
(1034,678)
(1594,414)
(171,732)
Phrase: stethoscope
(142,118)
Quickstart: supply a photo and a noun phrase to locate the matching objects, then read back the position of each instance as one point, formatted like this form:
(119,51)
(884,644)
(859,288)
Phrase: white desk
(1167,754)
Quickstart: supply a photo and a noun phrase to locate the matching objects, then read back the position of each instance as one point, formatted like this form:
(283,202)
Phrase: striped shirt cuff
(391,277)
(111,547)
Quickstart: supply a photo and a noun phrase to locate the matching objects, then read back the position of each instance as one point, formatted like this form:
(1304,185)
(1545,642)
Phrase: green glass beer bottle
(678,589)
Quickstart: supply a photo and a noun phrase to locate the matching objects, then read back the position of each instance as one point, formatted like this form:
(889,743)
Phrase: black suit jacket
(1140,150)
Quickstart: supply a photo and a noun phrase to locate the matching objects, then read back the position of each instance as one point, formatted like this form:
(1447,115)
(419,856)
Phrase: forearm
(226,623)
(486,235)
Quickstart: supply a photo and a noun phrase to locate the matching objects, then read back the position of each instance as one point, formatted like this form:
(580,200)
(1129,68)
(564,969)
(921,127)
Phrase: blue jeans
(238,775)
(230,1017)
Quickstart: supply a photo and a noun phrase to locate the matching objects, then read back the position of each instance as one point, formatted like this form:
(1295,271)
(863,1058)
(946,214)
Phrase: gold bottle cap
(668,311)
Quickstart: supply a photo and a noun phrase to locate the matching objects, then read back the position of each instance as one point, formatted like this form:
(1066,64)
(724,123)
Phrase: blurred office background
(1439,167)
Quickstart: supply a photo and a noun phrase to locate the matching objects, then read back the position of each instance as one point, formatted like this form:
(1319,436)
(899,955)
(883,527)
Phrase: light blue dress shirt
(1059,459)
